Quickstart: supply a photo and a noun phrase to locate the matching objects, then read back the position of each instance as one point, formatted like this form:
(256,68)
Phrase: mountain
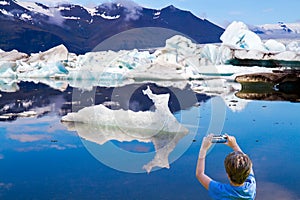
(33,27)
(277,31)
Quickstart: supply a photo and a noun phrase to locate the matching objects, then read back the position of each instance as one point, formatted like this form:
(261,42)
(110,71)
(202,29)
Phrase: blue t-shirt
(218,190)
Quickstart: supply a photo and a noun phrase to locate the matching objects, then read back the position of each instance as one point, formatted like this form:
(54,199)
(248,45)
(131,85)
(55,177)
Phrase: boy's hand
(206,144)
(231,142)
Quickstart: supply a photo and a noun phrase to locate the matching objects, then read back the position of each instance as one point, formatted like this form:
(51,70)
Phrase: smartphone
(219,139)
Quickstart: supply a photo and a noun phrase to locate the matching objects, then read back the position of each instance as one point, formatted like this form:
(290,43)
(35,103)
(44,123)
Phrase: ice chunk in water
(100,125)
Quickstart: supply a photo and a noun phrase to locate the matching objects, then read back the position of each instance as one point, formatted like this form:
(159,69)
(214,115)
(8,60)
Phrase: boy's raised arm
(200,170)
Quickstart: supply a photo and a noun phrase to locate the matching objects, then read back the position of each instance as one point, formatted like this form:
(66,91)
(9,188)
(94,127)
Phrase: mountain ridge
(32,27)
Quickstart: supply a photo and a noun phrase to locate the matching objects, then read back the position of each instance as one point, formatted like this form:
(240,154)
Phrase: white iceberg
(238,36)
(215,55)
(147,121)
(180,59)
(274,46)
(293,46)
(39,65)
(12,56)
(40,70)
(7,69)
(100,125)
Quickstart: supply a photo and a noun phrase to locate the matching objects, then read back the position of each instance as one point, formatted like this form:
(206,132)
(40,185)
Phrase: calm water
(42,158)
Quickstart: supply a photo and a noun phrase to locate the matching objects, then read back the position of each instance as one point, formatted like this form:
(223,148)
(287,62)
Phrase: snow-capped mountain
(32,27)
(279,30)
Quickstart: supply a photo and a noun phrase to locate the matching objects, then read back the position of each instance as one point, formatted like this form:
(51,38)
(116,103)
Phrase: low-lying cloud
(132,9)
(56,17)
(27,137)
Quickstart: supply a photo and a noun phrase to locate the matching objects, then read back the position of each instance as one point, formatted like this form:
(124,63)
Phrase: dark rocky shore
(281,85)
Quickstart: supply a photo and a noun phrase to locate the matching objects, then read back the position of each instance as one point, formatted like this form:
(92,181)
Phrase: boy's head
(238,167)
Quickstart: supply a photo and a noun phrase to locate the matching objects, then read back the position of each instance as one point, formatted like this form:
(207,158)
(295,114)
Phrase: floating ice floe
(100,124)
(150,122)
(39,65)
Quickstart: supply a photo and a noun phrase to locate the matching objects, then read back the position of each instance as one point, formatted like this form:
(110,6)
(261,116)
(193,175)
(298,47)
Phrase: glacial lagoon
(42,157)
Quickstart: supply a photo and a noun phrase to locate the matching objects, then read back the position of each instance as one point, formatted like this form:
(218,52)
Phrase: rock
(277,86)
(260,77)
(276,77)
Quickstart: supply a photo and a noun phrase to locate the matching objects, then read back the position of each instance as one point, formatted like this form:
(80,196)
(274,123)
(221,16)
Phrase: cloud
(27,137)
(1,156)
(47,146)
(132,9)
(56,17)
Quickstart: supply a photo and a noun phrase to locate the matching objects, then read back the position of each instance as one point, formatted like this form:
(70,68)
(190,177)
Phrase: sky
(220,12)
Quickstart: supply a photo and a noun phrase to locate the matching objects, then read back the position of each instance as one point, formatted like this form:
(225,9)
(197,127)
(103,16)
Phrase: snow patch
(157,13)
(35,8)
(71,18)
(4,3)
(4,12)
(25,17)
(92,11)
(109,17)
(61,8)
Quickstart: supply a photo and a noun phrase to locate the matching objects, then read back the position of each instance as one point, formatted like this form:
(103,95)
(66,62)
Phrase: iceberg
(177,64)
(148,121)
(12,56)
(245,45)
(53,55)
(293,46)
(100,124)
(238,36)
(7,69)
(274,46)
(40,65)
(179,59)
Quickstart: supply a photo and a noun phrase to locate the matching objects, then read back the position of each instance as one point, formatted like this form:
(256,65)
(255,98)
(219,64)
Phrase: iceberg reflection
(164,142)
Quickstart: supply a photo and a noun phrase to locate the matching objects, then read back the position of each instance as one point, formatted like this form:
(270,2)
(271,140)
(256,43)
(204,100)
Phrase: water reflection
(267,91)
(37,151)
(164,143)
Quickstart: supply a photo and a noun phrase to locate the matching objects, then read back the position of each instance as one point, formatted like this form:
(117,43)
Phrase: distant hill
(277,31)
(33,27)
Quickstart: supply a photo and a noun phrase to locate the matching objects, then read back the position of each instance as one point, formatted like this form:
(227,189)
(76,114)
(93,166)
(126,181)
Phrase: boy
(238,168)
